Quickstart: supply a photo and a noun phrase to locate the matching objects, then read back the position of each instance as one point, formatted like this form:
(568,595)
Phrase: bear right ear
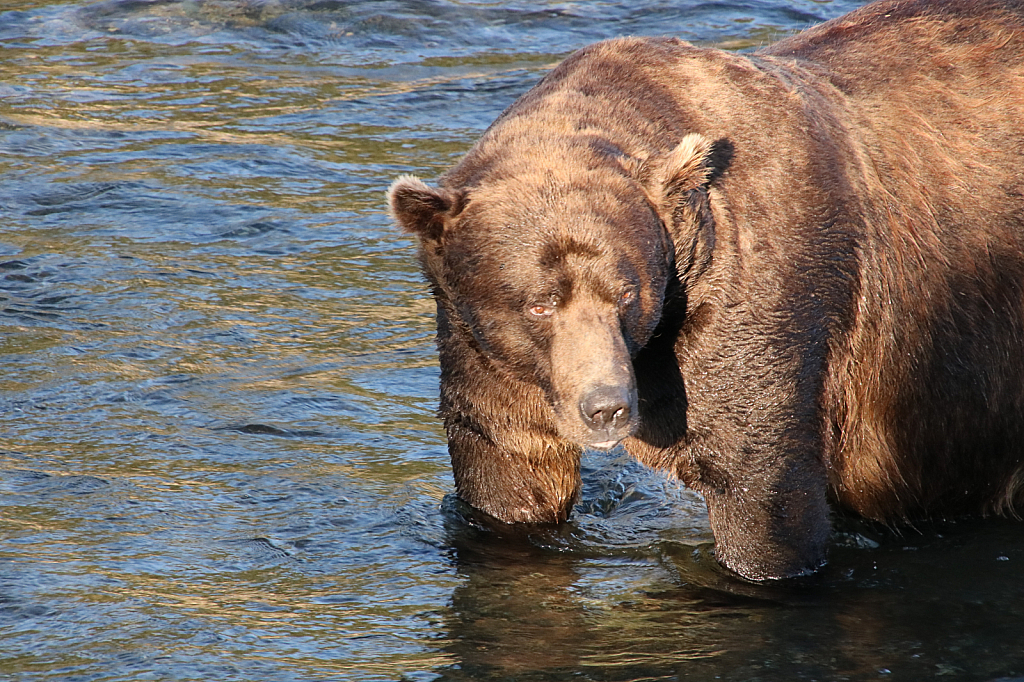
(421,209)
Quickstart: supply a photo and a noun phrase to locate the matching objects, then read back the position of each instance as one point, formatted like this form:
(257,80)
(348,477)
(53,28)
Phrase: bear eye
(542,309)
(627,297)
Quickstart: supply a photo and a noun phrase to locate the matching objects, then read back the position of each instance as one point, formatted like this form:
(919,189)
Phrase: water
(218,453)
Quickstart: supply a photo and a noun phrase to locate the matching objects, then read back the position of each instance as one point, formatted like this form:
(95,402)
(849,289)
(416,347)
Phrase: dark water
(218,454)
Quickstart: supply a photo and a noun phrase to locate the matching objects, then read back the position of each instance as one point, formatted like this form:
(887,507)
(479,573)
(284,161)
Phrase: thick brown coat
(785,277)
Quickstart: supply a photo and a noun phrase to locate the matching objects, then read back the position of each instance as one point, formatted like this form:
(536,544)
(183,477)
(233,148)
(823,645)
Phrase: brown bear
(789,278)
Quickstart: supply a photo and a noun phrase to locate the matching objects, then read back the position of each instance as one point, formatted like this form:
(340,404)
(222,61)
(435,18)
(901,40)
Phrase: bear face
(554,292)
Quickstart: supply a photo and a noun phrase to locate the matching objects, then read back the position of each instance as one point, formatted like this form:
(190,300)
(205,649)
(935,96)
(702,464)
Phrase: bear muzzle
(594,387)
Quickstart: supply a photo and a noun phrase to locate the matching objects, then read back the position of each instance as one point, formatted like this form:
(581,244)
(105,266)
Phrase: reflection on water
(940,605)
(218,451)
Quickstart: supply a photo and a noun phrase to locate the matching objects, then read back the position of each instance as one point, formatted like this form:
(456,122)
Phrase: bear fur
(789,278)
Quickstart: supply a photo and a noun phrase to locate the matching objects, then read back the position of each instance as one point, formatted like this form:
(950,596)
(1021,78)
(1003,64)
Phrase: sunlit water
(218,453)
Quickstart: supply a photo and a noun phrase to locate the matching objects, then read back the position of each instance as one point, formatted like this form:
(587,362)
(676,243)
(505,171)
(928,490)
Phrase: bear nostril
(606,407)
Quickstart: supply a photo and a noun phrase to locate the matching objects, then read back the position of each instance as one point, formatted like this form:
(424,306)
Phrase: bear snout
(608,412)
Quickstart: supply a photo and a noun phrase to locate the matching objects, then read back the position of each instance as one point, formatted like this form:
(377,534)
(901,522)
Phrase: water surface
(219,458)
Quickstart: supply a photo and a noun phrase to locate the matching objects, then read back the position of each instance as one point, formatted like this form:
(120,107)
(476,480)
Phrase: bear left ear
(687,167)
(677,183)
(423,210)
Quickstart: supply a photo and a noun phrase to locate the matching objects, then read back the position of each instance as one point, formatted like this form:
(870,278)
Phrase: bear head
(558,277)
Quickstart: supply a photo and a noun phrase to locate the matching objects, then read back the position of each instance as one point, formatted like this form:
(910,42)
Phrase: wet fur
(835,308)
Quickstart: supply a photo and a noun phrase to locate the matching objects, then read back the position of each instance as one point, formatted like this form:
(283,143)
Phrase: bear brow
(556,252)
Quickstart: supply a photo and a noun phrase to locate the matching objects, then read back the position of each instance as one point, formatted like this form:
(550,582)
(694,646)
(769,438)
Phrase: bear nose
(606,408)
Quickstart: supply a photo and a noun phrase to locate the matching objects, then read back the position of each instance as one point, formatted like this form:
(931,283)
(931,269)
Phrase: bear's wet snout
(607,410)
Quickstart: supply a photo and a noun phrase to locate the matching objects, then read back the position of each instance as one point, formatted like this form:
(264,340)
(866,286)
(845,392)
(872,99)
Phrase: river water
(219,458)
